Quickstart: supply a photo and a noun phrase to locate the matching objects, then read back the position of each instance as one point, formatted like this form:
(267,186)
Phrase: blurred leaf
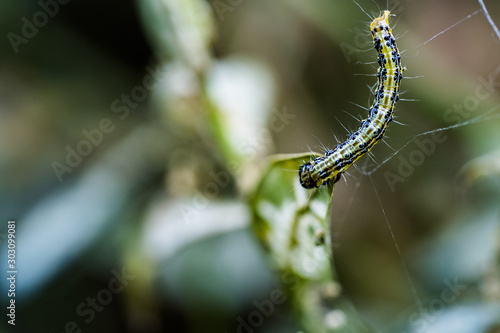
(66,223)
(180,30)
(463,249)
(173,224)
(470,318)
(241,94)
(484,166)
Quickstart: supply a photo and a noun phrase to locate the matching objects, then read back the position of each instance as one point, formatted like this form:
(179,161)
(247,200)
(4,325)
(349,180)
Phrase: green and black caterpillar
(336,161)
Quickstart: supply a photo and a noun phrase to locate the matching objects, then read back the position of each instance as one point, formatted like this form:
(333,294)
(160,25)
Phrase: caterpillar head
(306,180)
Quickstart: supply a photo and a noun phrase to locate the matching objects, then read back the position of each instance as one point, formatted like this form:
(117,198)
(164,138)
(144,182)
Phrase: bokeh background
(184,100)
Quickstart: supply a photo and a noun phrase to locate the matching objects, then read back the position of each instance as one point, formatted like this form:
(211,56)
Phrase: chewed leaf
(291,221)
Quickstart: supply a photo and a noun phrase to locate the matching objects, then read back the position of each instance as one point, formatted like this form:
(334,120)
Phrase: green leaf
(293,224)
(291,221)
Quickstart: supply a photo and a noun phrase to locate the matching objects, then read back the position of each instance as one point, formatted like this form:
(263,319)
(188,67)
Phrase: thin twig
(488,17)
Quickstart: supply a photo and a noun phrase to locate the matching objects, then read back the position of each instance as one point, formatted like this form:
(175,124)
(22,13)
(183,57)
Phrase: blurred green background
(134,132)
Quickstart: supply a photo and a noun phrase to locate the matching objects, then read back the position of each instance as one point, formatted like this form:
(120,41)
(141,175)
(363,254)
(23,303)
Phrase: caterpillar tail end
(382,20)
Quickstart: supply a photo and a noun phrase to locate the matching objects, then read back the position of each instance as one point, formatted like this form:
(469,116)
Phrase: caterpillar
(336,161)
